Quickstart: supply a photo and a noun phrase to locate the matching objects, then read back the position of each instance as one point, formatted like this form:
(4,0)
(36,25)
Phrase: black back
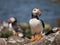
(42,23)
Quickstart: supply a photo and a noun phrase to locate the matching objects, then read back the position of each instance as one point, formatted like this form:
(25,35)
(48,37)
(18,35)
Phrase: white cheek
(36,10)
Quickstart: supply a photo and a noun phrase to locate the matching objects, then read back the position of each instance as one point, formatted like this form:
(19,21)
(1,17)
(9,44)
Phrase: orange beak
(9,20)
(39,12)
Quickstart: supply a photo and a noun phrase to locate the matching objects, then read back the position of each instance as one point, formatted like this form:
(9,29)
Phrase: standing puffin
(13,25)
(36,25)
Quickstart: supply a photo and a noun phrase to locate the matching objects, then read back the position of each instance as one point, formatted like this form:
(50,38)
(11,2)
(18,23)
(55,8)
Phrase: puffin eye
(34,10)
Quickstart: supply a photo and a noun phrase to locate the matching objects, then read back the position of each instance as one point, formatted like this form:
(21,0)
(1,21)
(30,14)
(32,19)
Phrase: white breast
(35,23)
(10,27)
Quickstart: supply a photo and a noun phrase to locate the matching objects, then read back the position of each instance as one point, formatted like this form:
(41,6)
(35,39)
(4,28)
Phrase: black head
(12,20)
(36,12)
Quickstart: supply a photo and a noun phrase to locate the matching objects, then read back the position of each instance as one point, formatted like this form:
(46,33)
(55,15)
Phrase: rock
(14,40)
(57,39)
(52,39)
(3,41)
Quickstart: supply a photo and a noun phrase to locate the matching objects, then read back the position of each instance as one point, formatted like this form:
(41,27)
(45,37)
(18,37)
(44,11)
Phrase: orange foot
(32,40)
(38,37)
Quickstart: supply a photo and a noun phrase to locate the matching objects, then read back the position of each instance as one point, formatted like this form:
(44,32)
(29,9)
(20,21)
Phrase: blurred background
(21,9)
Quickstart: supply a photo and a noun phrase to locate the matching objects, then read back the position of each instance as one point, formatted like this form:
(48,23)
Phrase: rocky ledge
(52,39)
(7,37)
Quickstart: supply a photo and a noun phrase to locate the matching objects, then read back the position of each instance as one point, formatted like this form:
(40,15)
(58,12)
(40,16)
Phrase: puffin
(36,25)
(13,25)
(54,30)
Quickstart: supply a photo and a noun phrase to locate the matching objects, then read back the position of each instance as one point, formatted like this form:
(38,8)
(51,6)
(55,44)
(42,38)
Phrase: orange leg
(32,39)
(38,37)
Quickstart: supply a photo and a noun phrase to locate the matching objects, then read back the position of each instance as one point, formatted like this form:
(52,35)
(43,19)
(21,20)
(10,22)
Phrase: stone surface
(51,39)
(3,41)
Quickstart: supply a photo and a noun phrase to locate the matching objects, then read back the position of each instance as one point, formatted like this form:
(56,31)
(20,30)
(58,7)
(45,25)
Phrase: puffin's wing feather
(42,23)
